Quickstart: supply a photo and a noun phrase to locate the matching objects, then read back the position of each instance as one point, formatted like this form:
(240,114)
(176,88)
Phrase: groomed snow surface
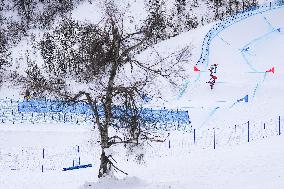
(251,165)
(247,137)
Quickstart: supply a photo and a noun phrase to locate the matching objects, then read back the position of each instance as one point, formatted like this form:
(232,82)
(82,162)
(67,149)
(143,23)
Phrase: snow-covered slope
(256,165)
(243,52)
(252,166)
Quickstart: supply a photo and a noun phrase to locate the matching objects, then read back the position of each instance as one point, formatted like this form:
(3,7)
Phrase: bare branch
(158,72)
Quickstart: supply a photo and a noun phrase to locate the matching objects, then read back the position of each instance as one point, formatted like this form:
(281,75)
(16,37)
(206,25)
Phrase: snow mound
(114,183)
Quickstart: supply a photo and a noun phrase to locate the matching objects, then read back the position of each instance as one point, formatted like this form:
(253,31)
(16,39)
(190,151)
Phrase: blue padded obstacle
(77,167)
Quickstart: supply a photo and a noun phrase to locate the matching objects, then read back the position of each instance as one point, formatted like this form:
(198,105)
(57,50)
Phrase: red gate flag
(271,70)
(196,69)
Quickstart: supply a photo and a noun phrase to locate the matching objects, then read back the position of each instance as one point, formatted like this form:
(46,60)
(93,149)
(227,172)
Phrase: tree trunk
(105,162)
(105,166)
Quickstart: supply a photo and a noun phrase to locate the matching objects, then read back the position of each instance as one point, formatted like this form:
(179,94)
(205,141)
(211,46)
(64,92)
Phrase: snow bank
(114,183)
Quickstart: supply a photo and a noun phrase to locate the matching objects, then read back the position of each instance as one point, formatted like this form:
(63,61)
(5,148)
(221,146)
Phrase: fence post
(248,131)
(214,140)
(194,137)
(264,126)
(43,159)
(78,150)
(279,130)
(169,144)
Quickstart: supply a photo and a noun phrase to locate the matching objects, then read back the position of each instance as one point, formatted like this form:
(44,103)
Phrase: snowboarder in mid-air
(214,67)
(213,77)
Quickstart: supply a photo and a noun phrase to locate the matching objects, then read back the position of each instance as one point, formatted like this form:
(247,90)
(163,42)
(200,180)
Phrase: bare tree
(157,21)
(97,64)
(4,49)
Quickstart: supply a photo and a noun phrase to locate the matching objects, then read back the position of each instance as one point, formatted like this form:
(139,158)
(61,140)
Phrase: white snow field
(230,143)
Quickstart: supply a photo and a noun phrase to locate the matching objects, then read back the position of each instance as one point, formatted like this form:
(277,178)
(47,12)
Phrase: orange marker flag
(271,70)
(196,69)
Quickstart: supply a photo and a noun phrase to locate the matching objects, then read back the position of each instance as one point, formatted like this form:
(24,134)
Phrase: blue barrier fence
(149,115)
(56,111)
(46,105)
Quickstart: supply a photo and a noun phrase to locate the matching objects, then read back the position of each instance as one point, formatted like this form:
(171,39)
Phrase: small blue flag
(246,98)
(243,99)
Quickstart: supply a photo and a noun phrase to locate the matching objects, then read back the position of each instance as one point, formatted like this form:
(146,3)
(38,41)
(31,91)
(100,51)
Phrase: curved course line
(222,39)
(247,62)
(186,84)
(245,49)
(261,37)
(213,32)
(210,115)
(183,89)
(224,24)
(258,85)
(269,24)
(229,21)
